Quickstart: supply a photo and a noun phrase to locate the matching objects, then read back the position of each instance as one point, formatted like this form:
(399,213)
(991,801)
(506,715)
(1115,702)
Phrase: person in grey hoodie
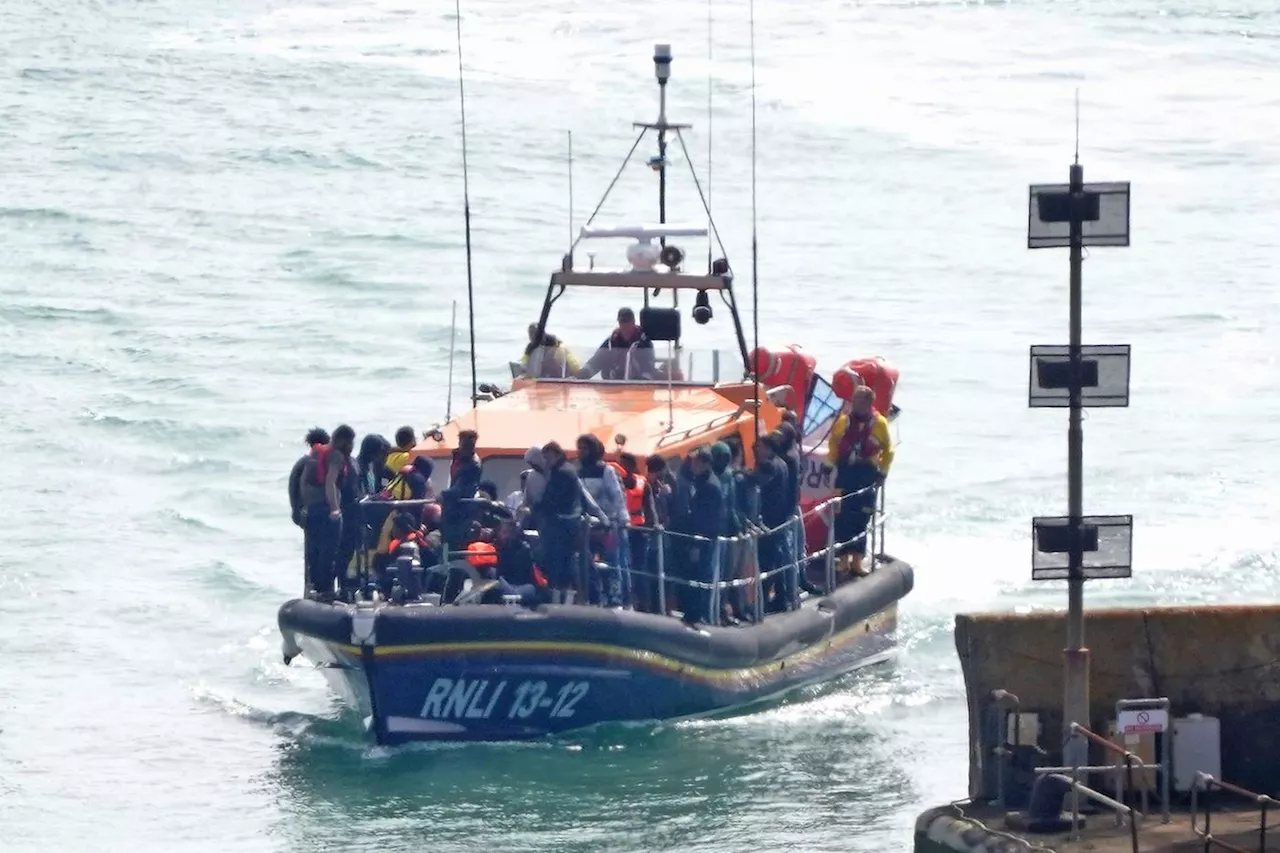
(533,486)
(603,485)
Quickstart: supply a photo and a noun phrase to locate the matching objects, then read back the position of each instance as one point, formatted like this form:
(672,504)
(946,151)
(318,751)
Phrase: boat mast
(466,207)
(755,251)
(662,70)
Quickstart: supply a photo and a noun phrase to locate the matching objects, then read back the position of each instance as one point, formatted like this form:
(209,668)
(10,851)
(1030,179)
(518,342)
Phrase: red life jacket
(858,439)
(322,464)
(635,502)
(539,579)
(483,554)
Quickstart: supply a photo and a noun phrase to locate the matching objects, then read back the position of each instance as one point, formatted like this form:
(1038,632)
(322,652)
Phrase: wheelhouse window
(821,409)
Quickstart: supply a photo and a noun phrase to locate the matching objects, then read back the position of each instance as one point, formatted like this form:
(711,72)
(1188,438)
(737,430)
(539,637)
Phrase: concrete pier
(977,828)
(1218,661)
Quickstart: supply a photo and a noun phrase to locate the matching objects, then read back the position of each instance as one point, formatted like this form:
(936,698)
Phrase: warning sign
(1145,721)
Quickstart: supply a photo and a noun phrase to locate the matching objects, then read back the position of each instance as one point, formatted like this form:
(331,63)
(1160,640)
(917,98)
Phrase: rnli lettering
(819,474)
(481,699)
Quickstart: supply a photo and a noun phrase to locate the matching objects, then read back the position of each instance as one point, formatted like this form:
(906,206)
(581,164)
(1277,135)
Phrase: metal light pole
(1077,215)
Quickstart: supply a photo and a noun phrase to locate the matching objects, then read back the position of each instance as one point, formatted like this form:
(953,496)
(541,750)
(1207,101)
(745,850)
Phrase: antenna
(570,133)
(466,202)
(755,249)
(710,20)
(1077,160)
(453,336)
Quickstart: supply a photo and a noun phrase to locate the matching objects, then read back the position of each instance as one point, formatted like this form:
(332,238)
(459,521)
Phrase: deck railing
(750,577)
(1201,791)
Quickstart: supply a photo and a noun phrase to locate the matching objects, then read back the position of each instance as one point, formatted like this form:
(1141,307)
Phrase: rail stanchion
(830,514)
(759,608)
(662,570)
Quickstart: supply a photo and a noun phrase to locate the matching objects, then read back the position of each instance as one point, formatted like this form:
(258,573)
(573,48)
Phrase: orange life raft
(792,367)
(873,372)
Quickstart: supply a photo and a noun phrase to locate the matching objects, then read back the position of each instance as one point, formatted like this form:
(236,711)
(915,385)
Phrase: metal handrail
(1205,782)
(827,508)
(1120,809)
(1123,783)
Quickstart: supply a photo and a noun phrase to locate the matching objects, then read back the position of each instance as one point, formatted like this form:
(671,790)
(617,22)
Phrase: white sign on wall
(1144,721)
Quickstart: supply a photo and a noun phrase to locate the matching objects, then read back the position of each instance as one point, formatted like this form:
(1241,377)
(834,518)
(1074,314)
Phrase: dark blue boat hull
(502,673)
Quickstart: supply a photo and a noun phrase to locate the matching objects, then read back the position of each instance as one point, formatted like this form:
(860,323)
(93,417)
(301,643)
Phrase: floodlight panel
(1105,372)
(1110,555)
(1110,228)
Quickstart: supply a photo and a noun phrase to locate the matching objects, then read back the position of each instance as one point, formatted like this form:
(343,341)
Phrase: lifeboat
(426,646)
(791,368)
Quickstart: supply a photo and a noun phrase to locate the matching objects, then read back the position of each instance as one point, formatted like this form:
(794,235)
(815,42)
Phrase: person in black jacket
(787,440)
(315,437)
(706,501)
(662,486)
(776,507)
(516,571)
(457,500)
(559,514)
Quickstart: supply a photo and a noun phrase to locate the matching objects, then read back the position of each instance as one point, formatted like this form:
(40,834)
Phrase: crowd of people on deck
(594,532)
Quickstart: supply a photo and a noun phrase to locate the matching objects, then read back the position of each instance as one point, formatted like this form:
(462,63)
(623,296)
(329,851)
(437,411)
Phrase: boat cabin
(642,392)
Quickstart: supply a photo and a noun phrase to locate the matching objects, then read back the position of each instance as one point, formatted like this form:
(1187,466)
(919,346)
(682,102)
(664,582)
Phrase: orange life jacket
(483,554)
(539,579)
(635,502)
(414,536)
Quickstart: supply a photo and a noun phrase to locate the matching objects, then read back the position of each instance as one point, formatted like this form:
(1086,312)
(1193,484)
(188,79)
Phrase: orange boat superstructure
(651,418)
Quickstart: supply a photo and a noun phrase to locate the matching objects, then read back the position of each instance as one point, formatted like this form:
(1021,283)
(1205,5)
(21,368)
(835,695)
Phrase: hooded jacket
(602,484)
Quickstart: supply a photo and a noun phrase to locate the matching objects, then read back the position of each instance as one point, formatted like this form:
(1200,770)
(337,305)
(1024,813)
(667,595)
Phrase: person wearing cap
(626,354)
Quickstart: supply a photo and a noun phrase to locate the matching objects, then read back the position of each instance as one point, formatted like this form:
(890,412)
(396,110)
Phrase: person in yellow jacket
(548,358)
(399,455)
(861,450)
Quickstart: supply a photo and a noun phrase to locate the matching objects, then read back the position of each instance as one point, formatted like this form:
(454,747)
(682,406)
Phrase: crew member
(547,357)
(626,354)
(862,451)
